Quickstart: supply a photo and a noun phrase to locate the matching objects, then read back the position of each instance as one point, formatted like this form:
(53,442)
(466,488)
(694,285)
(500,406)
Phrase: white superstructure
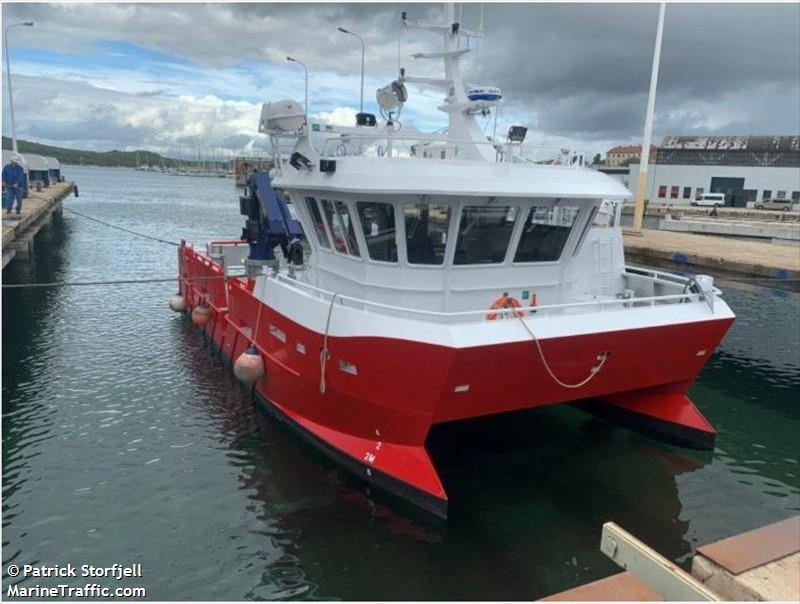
(443,222)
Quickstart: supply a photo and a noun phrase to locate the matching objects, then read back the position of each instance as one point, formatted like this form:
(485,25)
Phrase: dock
(662,210)
(758,565)
(763,564)
(766,231)
(715,255)
(37,213)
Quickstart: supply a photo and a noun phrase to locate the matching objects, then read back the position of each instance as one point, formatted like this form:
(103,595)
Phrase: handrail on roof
(342,139)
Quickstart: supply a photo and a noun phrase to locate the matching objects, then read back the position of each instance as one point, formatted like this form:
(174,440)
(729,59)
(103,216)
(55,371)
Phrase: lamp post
(641,185)
(305,67)
(363,49)
(8,75)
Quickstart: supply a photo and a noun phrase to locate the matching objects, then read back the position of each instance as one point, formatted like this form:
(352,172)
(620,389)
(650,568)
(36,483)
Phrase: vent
(277,333)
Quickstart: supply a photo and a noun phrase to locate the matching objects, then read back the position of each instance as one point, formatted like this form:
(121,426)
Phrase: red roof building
(622,155)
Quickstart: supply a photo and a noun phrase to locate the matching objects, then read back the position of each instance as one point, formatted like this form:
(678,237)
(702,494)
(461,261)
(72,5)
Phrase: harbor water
(126,441)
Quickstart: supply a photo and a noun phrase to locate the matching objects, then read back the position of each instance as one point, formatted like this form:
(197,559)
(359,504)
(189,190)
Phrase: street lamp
(363,48)
(305,67)
(8,72)
(641,185)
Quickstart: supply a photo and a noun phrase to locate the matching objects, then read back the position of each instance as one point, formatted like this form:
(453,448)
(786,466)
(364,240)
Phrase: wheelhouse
(439,252)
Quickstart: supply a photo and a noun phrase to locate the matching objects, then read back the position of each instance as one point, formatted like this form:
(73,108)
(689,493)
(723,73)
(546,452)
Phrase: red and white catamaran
(449,278)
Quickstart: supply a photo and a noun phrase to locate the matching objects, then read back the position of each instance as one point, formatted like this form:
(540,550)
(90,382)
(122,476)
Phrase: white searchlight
(392,96)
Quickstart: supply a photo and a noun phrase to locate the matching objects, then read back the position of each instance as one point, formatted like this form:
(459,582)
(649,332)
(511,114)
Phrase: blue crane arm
(269,221)
(278,220)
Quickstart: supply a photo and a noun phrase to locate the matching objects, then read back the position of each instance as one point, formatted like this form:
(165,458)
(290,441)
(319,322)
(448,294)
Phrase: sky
(176,78)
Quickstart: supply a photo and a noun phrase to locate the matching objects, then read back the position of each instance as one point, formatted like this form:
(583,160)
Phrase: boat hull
(380,396)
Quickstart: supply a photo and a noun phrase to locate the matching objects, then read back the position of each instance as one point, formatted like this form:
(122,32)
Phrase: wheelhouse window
(426,232)
(338,218)
(377,221)
(484,233)
(337,232)
(545,233)
(316,219)
(349,228)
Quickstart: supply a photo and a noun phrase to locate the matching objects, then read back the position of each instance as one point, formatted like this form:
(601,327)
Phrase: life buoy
(504,301)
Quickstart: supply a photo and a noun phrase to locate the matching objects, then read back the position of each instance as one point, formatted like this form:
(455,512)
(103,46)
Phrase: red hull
(376,421)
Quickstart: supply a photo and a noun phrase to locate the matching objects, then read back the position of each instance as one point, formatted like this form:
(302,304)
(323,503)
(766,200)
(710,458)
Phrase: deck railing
(480,315)
(603,304)
(345,142)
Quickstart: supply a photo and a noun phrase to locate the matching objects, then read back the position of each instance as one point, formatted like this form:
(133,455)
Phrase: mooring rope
(119,228)
(171,279)
(103,222)
(111,282)
(592,372)
(258,320)
(324,354)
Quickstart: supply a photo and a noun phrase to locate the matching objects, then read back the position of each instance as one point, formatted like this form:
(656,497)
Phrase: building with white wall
(747,169)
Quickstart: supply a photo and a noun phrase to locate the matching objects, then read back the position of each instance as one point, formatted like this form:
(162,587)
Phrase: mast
(461,123)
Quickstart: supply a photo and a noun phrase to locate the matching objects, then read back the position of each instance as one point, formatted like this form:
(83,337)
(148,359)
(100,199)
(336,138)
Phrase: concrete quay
(662,210)
(781,233)
(37,213)
(778,265)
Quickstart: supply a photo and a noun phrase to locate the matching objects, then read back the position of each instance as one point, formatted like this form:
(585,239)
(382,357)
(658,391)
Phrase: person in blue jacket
(13,183)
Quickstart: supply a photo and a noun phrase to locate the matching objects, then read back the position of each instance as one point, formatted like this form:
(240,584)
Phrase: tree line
(81,157)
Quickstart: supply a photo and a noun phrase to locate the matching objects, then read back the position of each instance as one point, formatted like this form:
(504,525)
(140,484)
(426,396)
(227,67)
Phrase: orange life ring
(504,301)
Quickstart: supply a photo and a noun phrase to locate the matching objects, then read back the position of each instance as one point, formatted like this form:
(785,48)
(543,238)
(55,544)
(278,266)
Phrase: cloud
(576,74)
(81,115)
(585,69)
(341,116)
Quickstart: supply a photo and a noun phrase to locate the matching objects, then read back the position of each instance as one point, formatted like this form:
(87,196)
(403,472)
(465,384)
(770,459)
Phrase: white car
(710,200)
(775,204)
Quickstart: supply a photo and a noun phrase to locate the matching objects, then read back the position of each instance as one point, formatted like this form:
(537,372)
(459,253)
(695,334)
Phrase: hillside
(79,157)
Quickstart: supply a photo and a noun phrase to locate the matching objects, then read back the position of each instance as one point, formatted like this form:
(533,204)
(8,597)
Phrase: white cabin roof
(53,163)
(35,162)
(380,175)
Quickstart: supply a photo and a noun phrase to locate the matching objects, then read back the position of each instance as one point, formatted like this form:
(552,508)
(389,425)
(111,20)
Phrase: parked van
(710,199)
(775,204)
